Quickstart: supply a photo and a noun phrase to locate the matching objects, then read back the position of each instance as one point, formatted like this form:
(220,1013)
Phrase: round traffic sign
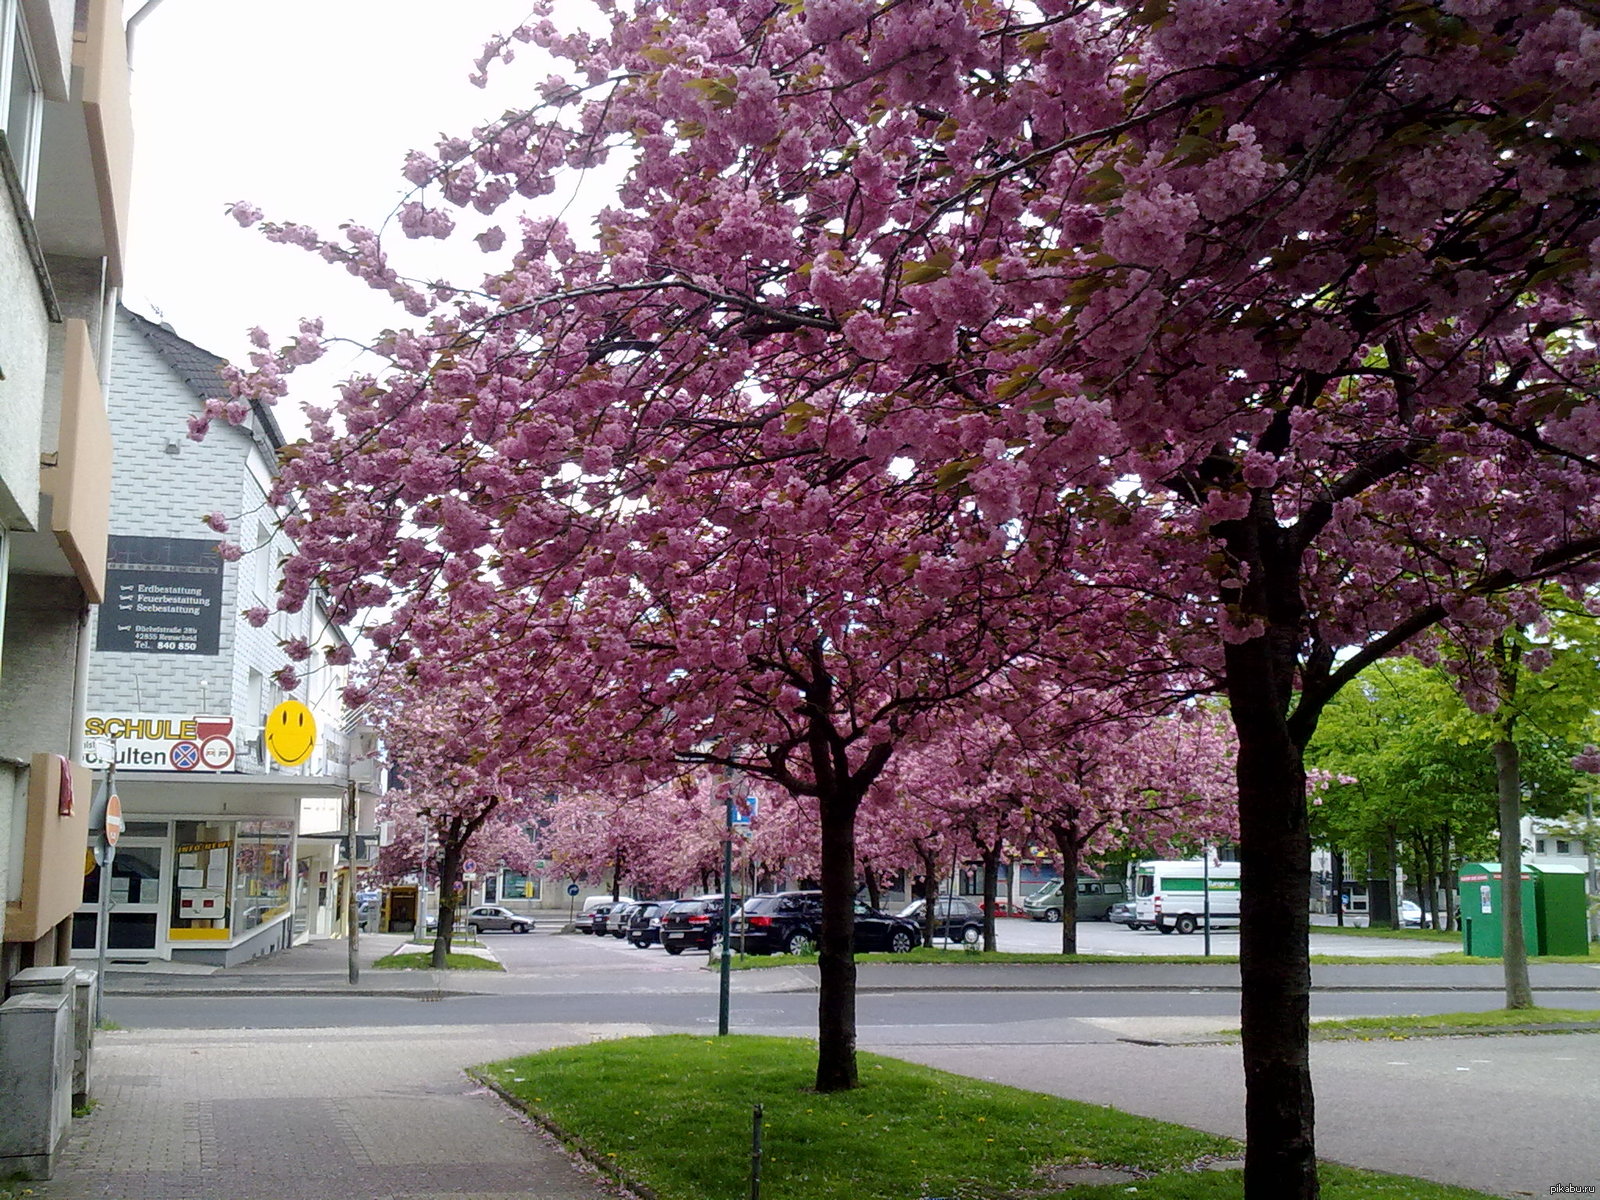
(217,753)
(572,889)
(114,822)
(185,756)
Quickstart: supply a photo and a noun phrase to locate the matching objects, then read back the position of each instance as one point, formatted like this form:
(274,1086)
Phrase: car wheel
(899,942)
(1187,924)
(1053,915)
(674,950)
(970,935)
(519,929)
(797,943)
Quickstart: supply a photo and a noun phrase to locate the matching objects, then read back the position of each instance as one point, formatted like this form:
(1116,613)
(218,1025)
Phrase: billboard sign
(161,742)
(163,596)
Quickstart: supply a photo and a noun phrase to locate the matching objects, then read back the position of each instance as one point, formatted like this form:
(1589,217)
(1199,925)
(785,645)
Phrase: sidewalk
(311,1114)
(311,969)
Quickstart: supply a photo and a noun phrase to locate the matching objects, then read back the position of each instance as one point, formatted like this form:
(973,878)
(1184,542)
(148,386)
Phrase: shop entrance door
(138,877)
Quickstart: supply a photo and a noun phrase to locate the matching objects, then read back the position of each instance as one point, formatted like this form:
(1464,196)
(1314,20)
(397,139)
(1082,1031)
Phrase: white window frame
(24,142)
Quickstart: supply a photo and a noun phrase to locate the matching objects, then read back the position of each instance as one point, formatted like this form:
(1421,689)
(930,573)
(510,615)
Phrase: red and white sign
(114,821)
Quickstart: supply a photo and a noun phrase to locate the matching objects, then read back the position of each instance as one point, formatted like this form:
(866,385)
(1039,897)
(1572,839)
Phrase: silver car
(488,918)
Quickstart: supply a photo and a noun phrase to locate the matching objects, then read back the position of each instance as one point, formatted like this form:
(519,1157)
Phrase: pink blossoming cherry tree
(1247,338)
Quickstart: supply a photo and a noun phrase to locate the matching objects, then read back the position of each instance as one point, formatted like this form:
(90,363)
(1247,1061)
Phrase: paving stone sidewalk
(313,1114)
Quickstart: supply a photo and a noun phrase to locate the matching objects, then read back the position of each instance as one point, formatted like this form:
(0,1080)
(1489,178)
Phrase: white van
(1172,896)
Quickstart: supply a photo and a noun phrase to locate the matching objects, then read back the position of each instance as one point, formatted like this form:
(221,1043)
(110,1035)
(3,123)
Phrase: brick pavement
(314,1114)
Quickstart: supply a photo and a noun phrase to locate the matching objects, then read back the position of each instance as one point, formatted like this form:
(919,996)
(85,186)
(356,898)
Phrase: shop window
(24,98)
(200,895)
(263,866)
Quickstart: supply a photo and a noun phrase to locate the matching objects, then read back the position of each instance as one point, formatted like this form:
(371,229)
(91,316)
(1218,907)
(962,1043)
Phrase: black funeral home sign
(163,596)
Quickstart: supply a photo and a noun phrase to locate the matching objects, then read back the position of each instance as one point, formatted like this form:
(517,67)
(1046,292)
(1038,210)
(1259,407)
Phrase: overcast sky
(305,108)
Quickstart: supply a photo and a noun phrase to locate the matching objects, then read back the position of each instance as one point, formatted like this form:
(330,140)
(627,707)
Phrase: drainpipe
(133,24)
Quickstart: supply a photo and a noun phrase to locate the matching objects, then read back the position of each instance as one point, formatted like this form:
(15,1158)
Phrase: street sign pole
(353,905)
(108,857)
(726,966)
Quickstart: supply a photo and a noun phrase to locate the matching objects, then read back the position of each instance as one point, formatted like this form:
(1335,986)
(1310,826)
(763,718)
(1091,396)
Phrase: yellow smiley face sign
(291,733)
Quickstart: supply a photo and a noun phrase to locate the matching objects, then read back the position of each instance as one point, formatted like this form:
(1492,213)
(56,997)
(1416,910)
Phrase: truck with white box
(1177,896)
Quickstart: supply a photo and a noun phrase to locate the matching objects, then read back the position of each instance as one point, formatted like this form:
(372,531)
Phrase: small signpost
(105,827)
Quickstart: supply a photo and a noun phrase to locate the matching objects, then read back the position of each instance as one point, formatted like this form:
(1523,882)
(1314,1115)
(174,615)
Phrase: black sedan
(956,919)
(791,922)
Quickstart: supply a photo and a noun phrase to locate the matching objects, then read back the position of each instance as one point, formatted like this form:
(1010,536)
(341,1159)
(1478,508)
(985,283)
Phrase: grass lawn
(1373,1028)
(960,957)
(672,1116)
(1383,931)
(453,962)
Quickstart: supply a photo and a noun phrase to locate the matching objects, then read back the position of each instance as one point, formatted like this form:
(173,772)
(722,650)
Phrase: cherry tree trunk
(836,960)
(1067,847)
(449,879)
(1514,946)
(930,894)
(1275,907)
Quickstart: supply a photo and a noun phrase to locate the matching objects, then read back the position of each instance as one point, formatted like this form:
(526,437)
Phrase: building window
(1538,845)
(1563,847)
(24,98)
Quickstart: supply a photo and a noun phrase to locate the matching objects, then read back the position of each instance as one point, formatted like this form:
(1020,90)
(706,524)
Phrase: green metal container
(1481,909)
(1563,909)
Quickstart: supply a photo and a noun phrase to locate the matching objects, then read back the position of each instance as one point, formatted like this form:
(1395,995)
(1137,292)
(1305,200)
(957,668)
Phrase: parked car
(595,921)
(790,922)
(1095,898)
(1126,913)
(584,921)
(1410,914)
(616,921)
(644,922)
(693,923)
(956,919)
(491,918)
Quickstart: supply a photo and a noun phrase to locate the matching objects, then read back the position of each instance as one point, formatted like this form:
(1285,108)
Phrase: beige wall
(108,115)
(52,878)
(80,482)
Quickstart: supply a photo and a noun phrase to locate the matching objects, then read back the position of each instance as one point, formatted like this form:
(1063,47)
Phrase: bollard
(755,1154)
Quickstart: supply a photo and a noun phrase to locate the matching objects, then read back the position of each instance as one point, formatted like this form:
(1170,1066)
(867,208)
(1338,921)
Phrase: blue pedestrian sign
(744,811)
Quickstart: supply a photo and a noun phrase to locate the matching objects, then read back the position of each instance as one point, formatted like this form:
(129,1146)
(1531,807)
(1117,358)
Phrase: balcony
(49,886)
(86,151)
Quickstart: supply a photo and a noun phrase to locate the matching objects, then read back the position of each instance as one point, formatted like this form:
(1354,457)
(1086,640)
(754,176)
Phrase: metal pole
(107,856)
(353,904)
(1205,858)
(422,891)
(725,967)
(755,1154)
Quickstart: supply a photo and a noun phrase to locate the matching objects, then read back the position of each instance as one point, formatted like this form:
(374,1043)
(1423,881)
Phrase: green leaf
(926,271)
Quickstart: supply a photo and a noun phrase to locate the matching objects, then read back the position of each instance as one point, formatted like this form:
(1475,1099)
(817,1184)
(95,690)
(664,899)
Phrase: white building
(215,864)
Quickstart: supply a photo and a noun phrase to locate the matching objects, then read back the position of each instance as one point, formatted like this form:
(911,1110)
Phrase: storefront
(209,869)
